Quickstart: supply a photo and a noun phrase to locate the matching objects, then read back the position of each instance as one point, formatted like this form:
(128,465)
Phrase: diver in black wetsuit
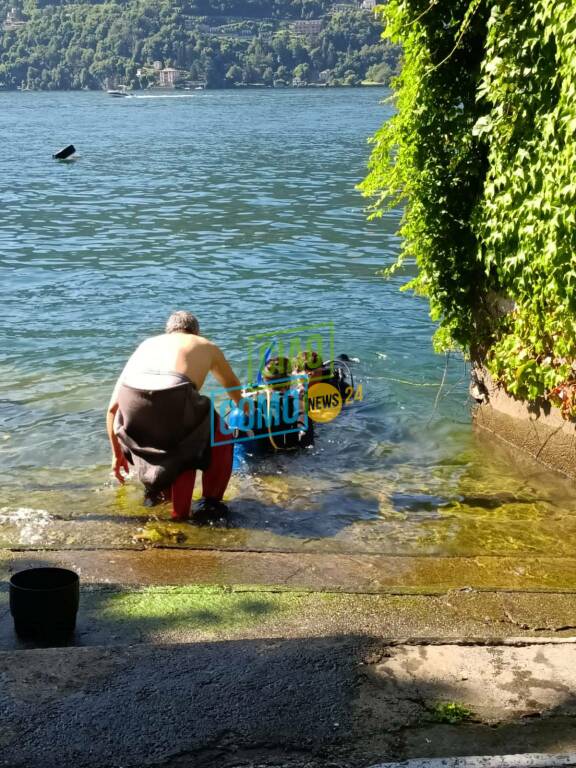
(280,421)
(335,372)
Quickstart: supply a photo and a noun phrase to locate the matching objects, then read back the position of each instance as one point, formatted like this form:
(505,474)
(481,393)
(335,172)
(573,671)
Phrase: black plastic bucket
(44,603)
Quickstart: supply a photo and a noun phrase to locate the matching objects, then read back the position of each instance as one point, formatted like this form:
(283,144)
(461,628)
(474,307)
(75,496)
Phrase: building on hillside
(308,27)
(343,7)
(231,31)
(169,77)
(14,20)
(157,65)
(369,5)
(148,71)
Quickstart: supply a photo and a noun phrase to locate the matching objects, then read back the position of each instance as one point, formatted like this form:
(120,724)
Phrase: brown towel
(164,432)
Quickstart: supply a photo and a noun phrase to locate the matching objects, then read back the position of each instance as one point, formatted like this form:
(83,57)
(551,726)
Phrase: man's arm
(224,375)
(119,462)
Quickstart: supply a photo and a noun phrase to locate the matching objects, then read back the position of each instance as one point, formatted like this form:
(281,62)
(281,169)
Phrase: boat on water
(117,94)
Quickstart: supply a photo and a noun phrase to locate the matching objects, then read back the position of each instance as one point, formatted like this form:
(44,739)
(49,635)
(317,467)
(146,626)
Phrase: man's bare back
(193,356)
(174,352)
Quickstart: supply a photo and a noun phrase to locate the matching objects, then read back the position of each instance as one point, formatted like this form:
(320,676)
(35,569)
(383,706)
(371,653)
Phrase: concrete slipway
(187,658)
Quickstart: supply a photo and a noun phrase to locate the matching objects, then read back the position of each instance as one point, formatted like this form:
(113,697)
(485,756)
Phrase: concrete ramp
(489,761)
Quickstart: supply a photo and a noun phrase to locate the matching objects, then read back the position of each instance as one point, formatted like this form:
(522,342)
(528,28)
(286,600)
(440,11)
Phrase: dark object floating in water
(44,603)
(65,153)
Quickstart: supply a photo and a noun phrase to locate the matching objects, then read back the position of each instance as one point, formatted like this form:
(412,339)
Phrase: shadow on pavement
(343,701)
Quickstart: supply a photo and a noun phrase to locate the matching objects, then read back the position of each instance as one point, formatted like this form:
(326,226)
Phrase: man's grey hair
(182,322)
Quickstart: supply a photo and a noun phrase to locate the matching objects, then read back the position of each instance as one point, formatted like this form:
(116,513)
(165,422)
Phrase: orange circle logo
(324,402)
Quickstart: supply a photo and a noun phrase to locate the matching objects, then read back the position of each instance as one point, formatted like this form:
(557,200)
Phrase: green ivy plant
(482,151)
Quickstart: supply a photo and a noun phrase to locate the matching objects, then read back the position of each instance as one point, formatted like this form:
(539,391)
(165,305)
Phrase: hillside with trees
(56,44)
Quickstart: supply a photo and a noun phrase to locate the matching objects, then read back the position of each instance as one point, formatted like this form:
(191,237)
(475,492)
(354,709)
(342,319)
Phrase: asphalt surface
(160,706)
(335,702)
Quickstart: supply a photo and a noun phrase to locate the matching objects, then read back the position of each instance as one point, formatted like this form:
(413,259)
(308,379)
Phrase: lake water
(240,206)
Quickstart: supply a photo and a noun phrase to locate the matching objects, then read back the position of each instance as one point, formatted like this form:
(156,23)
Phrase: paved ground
(248,660)
(334,701)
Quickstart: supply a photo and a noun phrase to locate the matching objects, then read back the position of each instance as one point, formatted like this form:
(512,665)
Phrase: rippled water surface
(241,207)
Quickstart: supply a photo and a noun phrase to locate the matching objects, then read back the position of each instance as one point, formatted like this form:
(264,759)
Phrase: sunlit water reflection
(242,207)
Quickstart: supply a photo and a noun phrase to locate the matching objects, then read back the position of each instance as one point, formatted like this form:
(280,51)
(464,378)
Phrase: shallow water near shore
(243,208)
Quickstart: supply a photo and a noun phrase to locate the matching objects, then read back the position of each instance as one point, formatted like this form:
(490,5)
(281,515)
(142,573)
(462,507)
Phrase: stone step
(365,574)
(114,615)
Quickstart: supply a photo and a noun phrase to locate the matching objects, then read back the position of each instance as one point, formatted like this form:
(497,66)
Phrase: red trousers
(214,479)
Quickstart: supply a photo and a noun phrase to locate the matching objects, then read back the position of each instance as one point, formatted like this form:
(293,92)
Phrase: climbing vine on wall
(482,151)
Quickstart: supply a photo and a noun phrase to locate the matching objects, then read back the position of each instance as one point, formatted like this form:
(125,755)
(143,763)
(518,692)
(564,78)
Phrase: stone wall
(537,429)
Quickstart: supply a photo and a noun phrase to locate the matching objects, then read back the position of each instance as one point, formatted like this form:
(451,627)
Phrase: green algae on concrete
(449,712)
(461,509)
(210,609)
(181,613)
(174,614)
(116,616)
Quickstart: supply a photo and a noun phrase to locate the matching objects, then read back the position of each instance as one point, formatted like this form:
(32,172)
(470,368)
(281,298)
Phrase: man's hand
(120,463)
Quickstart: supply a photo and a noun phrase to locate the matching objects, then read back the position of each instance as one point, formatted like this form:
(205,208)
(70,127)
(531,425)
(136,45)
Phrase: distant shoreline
(184,92)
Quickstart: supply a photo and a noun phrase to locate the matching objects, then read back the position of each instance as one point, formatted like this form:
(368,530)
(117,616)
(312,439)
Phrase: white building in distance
(168,77)
(14,20)
(308,27)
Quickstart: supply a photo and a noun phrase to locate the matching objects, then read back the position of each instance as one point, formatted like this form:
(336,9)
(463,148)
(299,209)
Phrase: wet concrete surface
(539,430)
(333,701)
(407,509)
(289,660)
(315,571)
(112,615)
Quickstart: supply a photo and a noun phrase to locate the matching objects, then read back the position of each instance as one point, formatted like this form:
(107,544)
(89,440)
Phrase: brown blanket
(164,431)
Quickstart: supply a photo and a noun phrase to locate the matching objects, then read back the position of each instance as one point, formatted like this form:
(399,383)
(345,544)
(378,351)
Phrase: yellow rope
(269,420)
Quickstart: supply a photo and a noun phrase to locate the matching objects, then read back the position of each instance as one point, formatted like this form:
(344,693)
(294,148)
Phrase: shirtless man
(158,421)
